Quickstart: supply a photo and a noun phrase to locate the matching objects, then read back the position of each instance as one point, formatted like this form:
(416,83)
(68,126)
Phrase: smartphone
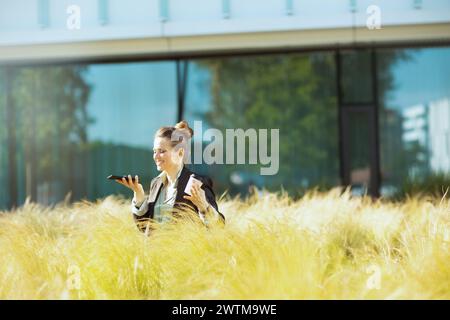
(112,177)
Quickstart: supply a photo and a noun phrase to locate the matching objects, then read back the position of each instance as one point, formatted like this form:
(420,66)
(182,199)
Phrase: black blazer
(155,189)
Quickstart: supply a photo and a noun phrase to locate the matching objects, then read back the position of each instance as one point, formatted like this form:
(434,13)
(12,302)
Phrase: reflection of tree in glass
(394,157)
(52,118)
(297,94)
(294,93)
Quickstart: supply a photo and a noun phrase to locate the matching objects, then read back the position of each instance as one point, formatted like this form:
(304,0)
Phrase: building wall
(37,29)
(277,64)
(66,127)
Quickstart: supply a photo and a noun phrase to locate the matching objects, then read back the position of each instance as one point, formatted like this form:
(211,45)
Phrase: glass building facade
(414,115)
(370,118)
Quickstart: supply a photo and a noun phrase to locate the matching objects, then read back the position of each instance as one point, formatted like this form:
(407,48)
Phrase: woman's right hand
(139,193)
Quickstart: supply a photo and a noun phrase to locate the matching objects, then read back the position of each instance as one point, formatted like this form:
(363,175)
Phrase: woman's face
(166,157)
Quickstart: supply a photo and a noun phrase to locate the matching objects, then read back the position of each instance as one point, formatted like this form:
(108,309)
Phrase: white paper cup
(190,183)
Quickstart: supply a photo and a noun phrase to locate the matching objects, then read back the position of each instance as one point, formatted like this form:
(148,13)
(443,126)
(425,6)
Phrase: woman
(167,191)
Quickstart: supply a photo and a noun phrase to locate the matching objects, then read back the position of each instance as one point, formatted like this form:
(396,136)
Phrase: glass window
(77,124)
(358,135)
(356,77)
(295,93)
(414,94)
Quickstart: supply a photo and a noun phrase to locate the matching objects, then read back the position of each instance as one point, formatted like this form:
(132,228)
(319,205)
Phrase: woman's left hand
(198,197)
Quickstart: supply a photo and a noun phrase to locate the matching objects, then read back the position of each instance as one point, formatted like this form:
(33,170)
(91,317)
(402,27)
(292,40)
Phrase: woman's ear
(181,153)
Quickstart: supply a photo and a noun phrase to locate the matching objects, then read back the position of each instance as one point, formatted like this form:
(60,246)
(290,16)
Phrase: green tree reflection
(52,120)
(294,93)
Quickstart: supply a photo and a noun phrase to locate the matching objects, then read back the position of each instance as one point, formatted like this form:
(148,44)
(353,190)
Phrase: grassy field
(323,246)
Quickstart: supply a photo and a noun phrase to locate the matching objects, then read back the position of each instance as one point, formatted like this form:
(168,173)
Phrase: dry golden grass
(323,246)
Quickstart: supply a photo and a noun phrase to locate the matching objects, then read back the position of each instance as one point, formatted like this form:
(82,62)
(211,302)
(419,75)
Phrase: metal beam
(182,71)
(342,170)
(12,150)
(215,45)
(376,104)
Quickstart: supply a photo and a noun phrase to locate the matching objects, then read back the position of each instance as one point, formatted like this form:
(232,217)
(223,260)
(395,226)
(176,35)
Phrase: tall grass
(323,246)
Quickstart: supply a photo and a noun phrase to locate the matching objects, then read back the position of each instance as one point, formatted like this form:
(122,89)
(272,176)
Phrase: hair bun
(183,125)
